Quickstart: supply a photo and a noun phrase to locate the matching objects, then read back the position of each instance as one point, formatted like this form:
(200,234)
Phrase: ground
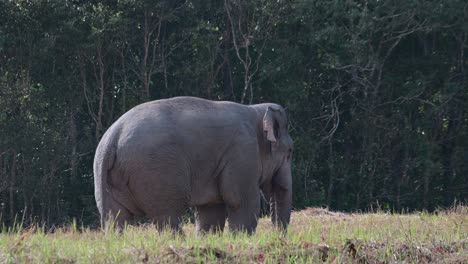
(315,235)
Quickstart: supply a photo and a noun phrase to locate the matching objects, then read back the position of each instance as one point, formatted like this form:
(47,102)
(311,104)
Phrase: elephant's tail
(103,162)
(116,195)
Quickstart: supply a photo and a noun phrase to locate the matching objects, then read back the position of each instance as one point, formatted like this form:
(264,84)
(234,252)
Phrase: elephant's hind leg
(168,215)
(210,218)
(114,214)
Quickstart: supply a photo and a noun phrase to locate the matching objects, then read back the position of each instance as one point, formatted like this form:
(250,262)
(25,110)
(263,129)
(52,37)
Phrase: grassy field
(315,236)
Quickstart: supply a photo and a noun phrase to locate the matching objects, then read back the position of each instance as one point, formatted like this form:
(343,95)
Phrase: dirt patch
(353,251)
(322,212)
(280,252)
(358,251)
(195,255)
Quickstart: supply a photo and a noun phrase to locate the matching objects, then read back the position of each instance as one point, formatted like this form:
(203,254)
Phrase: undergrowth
(315,235)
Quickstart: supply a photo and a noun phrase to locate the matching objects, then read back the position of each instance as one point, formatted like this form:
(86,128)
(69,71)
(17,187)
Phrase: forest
(376,91)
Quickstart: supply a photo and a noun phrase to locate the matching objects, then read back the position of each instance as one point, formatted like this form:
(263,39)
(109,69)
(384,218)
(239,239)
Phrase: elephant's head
(276,150)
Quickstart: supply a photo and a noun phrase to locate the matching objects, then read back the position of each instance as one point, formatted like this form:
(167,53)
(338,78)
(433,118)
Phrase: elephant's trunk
(281,198)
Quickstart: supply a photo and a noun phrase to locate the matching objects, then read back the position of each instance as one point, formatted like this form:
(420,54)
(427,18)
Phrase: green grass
(315,235)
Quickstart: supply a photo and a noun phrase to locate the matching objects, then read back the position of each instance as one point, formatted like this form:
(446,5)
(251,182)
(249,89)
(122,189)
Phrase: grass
(314,236)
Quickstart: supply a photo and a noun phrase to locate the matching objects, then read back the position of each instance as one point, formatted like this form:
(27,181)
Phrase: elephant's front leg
(210,218)
(239,188)
(244,218)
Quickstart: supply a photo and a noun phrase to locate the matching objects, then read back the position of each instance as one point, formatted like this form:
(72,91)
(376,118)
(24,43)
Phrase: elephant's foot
(116,220)
(168,223)
(210,218)
(244,218)
(115,217)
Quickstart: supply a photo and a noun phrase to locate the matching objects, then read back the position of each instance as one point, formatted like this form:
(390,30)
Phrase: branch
(335,115)
(84,84)
(233,32)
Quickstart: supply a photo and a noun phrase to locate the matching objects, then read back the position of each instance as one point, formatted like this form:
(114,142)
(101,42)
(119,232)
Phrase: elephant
(165,156)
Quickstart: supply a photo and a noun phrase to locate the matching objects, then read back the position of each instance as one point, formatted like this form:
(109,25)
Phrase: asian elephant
(164,156)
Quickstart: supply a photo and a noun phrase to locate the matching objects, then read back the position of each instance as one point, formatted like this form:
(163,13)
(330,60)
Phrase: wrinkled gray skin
(164,156)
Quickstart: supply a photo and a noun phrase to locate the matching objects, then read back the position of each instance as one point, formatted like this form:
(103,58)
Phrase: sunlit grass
(315,235)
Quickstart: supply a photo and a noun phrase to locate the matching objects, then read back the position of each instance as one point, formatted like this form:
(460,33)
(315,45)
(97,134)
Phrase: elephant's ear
(270,125)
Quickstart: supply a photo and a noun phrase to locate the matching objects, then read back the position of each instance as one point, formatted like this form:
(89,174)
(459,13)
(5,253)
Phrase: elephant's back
(179,106)
(192,126)
(188,118)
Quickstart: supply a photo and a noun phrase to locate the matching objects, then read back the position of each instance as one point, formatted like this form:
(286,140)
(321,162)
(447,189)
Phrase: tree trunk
(331,175)
(426,188)
(101,94)
(70,182)
(73,142)
(125,81)
(427,178)
(3,193)
(12,187)
(146,67)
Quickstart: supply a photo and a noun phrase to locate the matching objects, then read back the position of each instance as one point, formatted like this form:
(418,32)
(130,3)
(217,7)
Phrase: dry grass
(315,236)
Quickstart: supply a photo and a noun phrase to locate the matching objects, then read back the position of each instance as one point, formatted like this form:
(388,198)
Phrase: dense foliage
(377,92)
